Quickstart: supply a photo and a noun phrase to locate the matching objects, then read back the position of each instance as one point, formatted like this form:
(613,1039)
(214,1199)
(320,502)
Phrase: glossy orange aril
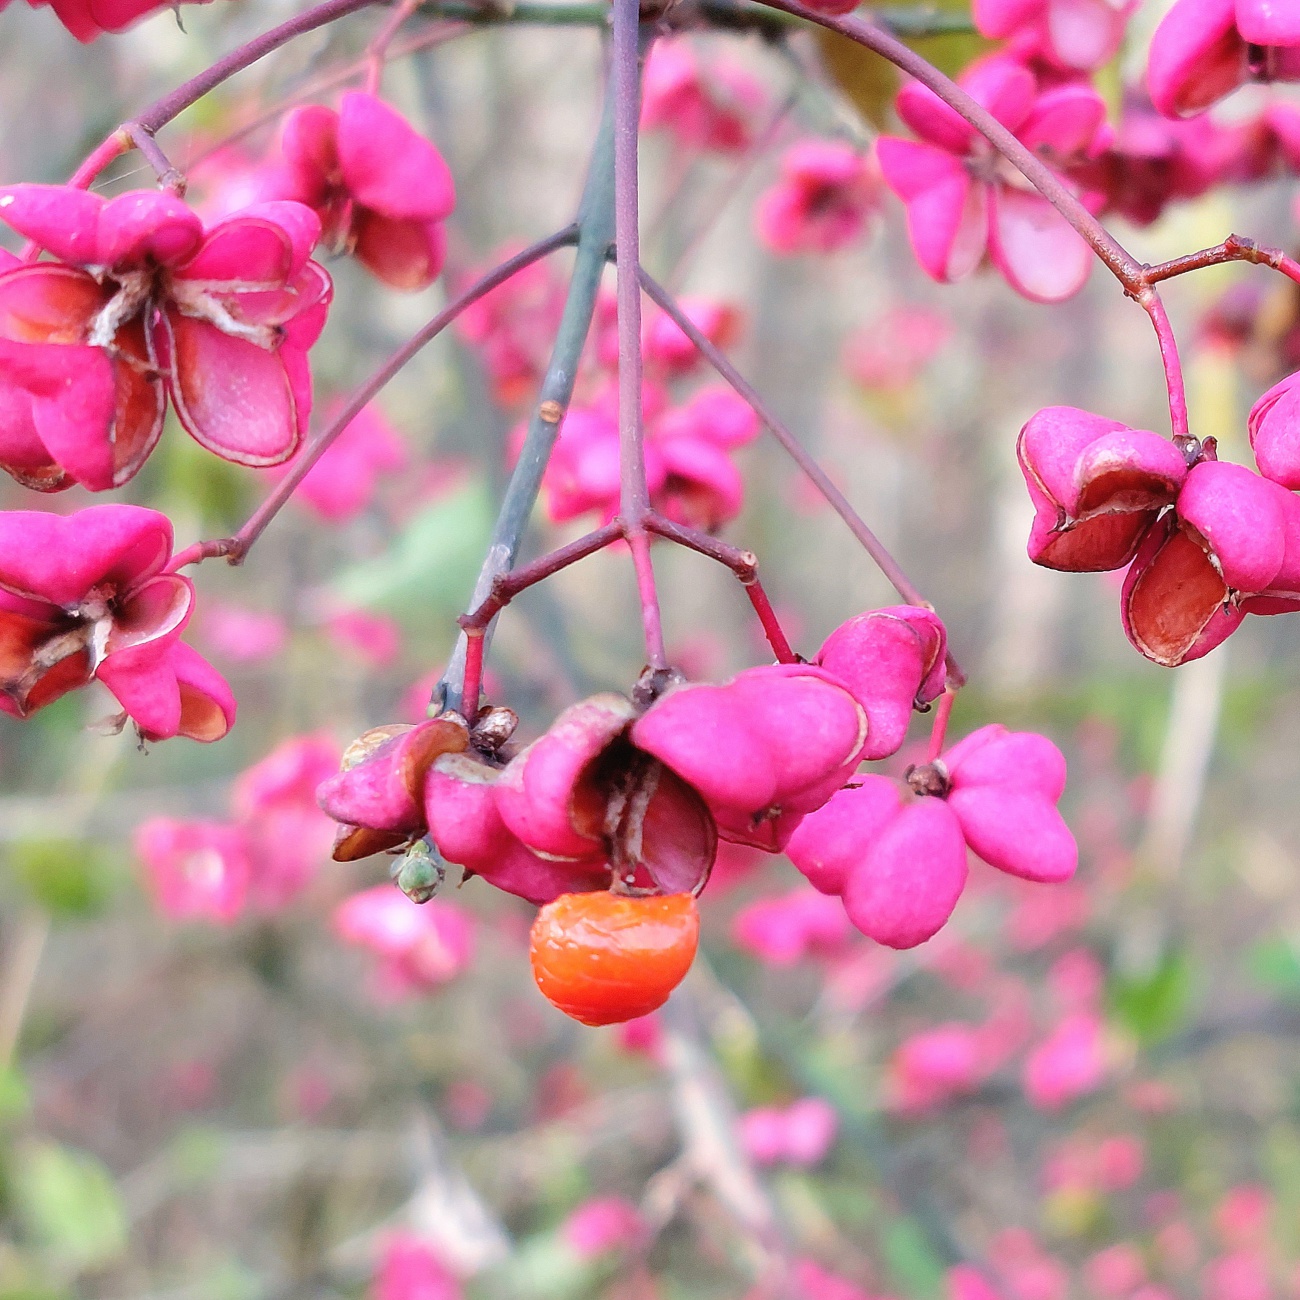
(603,958)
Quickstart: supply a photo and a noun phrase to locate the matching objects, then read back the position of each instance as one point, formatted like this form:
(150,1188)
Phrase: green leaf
(429,570)
(911,1262)
(70,1205)
(191,479)
(195,1154)
(15,1097)
(1152,1006)
(1275,963)
(66,877)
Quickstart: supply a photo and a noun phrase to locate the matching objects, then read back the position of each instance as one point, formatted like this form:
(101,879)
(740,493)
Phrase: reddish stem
(1174,385)
(237,547)
(472,683)
(169,176)
(200,551)
(799,454)
(110,148)
(163,110)
(377,50)
(772,628)
(638,541)
(744,564)
(939,728)
(506,586)
(1236,248)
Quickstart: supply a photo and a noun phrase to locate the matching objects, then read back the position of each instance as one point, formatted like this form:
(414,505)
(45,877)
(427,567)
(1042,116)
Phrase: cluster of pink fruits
(637,792)
(1205,542)
(142,303)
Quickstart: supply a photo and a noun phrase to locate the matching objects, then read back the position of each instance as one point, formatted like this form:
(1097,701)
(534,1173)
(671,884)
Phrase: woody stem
(634,492)
(595,232)
(939,728)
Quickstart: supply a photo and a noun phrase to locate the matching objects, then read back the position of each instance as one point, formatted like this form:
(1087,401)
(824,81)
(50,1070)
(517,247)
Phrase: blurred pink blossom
(798,1134)
(341,484)
(375,639)
(1042,915)
(890,352)
(1120,1161)
(965,1282)
(825,195)
(1072,35)
(642,1036)
(931,1068)
(1176,1246)
(287,835)
(420,945)
(1242,1217)
(602,1224)
(787,929)
(1077,980)
(1242,1275)
(195,870)
(410,1269)
(667,348)
(513,327)
(1027,1271)
(1115,1272)
(817,1283)
(240,634)
(1068,1064)
(706,103)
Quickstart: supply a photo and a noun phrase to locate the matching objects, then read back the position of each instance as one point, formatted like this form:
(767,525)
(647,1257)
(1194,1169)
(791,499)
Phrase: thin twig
(437,34)
(169,176)
(19,979)
(237,547)
(595,234)
(506,586)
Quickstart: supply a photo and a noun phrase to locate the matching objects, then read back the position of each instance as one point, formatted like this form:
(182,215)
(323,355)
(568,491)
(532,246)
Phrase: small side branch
(505,587)
(744,564)
(169,176)
(146,124)
(1236,248)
